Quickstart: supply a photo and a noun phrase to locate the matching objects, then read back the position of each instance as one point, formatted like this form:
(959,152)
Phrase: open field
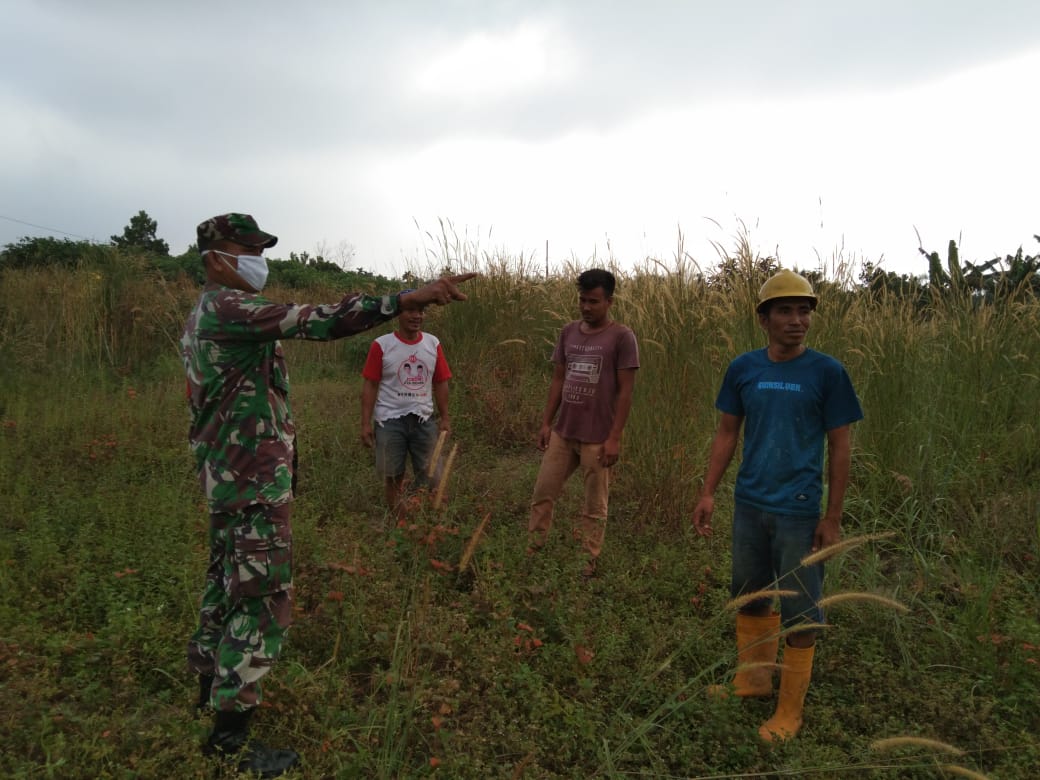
(401,666)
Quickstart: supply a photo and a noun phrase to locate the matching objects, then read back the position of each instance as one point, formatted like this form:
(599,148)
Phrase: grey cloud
(229,78)
(161,96)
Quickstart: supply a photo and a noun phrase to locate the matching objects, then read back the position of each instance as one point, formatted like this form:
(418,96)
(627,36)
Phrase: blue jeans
(402,438)
(767,553)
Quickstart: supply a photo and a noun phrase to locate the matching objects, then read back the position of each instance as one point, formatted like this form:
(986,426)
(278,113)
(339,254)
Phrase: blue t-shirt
(787,408)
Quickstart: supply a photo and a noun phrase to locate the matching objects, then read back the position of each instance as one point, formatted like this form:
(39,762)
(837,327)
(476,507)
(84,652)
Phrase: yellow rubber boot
(758,639)
(794,682)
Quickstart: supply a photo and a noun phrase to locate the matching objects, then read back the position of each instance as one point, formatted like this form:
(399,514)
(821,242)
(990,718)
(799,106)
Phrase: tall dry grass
(944,483)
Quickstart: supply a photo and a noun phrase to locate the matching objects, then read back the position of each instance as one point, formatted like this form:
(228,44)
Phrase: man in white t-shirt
(406,375)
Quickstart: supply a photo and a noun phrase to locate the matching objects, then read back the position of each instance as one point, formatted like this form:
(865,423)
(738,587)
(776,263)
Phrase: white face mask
(252,268)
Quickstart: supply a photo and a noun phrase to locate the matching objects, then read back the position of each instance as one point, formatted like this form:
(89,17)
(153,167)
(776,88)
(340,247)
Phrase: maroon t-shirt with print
(590,387)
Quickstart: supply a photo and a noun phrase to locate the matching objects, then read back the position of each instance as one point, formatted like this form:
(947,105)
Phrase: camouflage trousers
(246,606)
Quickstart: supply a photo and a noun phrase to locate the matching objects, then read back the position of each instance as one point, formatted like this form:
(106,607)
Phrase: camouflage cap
(240,228)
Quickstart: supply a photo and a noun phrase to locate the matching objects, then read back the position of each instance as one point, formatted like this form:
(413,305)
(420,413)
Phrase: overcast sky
(598,127)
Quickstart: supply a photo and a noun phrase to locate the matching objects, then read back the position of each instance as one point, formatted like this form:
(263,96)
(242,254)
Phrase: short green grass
(399,666)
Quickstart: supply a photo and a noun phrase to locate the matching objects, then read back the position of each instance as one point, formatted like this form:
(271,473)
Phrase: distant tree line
(1000,279)
(140,238)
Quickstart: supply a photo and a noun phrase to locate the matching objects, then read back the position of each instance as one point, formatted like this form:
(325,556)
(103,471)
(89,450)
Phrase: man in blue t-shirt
(790,400)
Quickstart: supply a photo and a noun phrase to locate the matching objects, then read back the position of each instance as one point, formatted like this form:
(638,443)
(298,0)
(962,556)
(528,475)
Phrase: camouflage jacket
(242,432)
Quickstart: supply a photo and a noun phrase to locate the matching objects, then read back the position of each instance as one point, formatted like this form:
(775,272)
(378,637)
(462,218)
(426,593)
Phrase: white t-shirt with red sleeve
(406,372)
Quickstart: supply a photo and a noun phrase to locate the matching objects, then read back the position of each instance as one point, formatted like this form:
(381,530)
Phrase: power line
(44,227)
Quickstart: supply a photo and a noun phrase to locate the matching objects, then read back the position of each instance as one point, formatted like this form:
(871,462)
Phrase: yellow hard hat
(786,284)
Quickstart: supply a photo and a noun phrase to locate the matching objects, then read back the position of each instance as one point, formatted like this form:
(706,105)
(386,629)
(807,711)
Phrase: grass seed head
(962,771)
(838,598)
(748,598)
(892,743)
(841,547)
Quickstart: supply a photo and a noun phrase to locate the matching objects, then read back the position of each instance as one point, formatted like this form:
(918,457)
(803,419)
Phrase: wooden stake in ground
(471,546)
(436,454)
(444,478)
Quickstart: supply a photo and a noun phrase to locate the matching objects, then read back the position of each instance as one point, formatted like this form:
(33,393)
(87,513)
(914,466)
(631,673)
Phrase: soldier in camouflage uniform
(243,439)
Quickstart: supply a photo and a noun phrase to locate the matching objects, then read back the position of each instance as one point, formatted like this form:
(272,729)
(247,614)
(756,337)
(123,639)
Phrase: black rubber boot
(205,685)
(230,739)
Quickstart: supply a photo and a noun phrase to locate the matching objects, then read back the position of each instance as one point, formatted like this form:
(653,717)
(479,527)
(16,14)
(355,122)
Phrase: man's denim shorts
(401,438)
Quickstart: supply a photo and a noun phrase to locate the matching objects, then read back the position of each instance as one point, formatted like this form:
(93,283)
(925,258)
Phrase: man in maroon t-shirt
(595,364)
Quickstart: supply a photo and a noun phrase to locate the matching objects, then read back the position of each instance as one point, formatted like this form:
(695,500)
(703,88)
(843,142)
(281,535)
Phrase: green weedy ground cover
(400,666)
